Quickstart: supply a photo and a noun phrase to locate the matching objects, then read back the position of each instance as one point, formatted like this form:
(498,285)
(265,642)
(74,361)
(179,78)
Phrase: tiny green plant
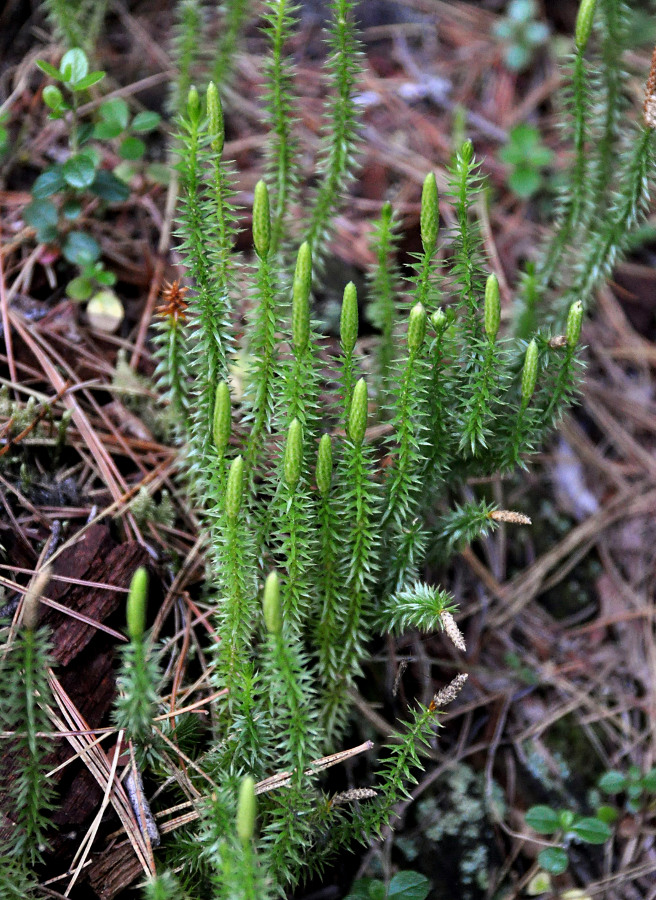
(405,885)
(28,792)
(526,157)
(636,787)
(564,827)
(522,34)
(61,191)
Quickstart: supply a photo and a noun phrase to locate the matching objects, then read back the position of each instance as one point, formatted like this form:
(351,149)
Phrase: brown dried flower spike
(174,305)
(508,515)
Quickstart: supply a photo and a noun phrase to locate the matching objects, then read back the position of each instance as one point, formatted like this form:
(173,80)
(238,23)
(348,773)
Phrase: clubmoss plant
(24,715)
(317,529)
(139,677)
(306,510)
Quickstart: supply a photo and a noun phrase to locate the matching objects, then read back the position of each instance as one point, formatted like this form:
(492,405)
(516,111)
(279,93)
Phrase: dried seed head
(33,596)
(416,327)
(271,604)
(137,600)
(449,693)
(430,214)
(492,314)
(574,323)
(216,127)
(584,24)
(348,325)
(193,106)
(452,630)
(246,809)
(294,454)
(301,299)
(174,305)
(357,424)
(261,220)
(222,422)
(234,489)
(529,372)
(649,108)
(507,515)
(324,465)
(352,795)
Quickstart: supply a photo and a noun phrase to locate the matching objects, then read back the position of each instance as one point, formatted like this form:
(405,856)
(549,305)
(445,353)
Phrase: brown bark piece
(94,558)
(114,870)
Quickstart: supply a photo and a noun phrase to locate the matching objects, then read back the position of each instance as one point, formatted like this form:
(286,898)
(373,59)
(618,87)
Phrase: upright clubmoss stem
(348,335)
(263,346)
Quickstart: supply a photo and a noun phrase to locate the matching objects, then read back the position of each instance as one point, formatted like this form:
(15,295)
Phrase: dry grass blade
(97,761)
(109,471)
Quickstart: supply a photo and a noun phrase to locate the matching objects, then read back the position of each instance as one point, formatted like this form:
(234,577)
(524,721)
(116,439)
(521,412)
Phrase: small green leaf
(74,66)
(539,884)
(145,121)
(84,134)
(79,288)
(566,817)
(81,249)
(79,171)
(634,791)
(46,234)
(553,860)
(543,819)
(607,814)
(39,213)
(541,156)
(649,781)
(591,830)
(109,188)
(48,183)
(612,782)
(408,886)
(106,131)
(52,96)
(525,182)
(85,83)
(367,889)
(105,278)
(115,111)
(132,148)
(72,209)
(49,69)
